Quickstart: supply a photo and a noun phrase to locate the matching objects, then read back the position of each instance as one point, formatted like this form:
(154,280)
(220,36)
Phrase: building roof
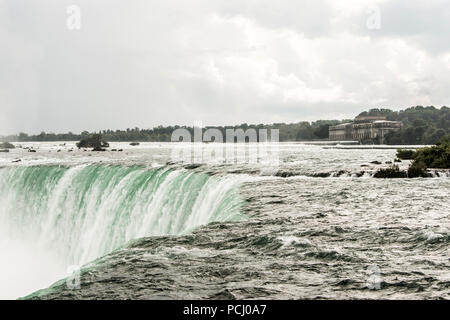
(386,121)
(342,125)
(369,118)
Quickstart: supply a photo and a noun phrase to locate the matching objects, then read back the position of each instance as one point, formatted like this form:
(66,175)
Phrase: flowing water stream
(146,228)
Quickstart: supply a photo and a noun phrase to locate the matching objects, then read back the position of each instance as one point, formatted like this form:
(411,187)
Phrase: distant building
(364,129)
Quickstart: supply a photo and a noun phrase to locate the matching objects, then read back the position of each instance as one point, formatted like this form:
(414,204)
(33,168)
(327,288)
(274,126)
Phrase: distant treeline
(421,125)
(287,132)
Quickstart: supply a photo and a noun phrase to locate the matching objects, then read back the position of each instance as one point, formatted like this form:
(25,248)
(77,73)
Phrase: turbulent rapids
(143,227)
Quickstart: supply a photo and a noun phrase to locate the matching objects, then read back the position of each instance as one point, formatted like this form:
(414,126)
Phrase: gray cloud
(146,63)
(421,23)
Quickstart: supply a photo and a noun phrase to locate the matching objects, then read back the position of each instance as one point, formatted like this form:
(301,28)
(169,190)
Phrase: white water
(53,218)
(32,258)
(26,266)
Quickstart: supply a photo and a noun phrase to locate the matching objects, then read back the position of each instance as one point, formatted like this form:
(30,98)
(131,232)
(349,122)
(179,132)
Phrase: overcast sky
(146,63)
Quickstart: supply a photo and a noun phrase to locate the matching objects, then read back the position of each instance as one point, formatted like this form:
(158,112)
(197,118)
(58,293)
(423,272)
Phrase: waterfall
(76,214)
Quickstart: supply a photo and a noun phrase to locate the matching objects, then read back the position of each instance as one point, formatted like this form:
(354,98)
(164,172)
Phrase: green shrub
(405,154)
(6,145)
(94,141)
(436,157)
(417,170)
(391,172)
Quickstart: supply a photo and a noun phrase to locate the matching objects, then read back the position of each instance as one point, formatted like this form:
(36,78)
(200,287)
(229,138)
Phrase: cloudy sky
(145,63)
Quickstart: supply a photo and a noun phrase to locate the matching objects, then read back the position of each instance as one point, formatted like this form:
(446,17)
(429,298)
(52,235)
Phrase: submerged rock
(193,166)
(360,174)
(321,175)
(341,172)
(285,174)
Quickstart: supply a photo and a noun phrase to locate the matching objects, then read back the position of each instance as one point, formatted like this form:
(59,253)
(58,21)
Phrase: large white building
(363,129)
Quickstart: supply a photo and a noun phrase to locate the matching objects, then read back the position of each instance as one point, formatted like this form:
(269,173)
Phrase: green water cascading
(86,211)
